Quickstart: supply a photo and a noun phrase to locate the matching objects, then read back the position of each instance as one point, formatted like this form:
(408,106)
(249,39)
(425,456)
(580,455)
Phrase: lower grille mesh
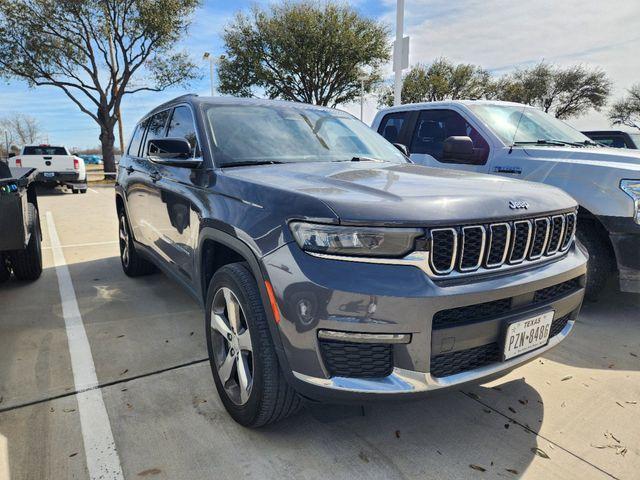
(362,360)
(476,357)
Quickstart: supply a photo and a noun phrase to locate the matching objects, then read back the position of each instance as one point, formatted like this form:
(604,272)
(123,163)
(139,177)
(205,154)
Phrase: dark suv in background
(331,267)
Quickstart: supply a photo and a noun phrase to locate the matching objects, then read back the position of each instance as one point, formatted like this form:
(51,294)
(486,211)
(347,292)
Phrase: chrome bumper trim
(409,381)
(364,337)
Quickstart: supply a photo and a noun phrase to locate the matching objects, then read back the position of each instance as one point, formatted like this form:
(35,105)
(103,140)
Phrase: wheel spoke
(218,324)
(226,368)
(244,378)
(244,341)
(233,310)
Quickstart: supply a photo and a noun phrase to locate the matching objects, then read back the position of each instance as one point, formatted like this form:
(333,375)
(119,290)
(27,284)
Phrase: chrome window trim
(564,247)
(546,237)
(482,248)
(506,245)
(454,250)
(561,239)
(513,243)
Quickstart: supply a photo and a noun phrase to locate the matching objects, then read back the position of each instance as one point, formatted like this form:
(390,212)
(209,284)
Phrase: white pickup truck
(519,141)
(55,165)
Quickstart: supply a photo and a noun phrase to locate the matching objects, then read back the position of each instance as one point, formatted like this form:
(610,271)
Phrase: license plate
(49,174)
(526,335)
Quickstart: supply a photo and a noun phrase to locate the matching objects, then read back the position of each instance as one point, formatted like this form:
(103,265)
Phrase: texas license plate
(49,174)
(528,334)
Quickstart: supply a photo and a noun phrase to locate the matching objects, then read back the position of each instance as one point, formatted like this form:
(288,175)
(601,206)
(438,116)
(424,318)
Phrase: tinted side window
(157,125)
(136,140)
(391,125)
(181,126)
(435,126)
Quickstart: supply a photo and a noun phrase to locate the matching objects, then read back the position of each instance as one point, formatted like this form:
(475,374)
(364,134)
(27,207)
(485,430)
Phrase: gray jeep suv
(332,268)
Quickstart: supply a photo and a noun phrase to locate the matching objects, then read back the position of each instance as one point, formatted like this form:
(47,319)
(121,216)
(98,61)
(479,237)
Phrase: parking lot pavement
(571,414)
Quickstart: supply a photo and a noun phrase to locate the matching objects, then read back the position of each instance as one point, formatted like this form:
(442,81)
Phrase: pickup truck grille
(490,246)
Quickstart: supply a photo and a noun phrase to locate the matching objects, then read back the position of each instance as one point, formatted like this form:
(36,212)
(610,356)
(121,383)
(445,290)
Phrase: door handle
(155,176)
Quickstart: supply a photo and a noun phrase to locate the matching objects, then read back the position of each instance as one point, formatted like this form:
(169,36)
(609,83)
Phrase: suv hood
(391,194)
(618,158)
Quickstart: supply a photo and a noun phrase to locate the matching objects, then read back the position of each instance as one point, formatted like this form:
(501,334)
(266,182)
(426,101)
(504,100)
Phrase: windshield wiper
(359,158)
(248,164)
(542,141)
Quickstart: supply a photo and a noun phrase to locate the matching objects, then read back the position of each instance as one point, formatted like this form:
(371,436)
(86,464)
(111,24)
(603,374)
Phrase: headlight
(632,188)
(356,241)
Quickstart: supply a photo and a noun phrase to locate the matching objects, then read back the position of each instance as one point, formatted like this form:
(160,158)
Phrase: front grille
(452,363)
(471,248)
(362,360)
(490,310)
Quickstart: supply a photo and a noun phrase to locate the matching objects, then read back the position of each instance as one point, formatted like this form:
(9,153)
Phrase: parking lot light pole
(397,54)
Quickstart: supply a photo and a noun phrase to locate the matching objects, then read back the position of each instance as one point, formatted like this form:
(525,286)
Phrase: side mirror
(175,152)
(457,148)
(402,148)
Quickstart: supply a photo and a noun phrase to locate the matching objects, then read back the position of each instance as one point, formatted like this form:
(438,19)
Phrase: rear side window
(615,141)
(435,126)
(391,125)
(136,140)
(182,126)
(45,150)
(157,125)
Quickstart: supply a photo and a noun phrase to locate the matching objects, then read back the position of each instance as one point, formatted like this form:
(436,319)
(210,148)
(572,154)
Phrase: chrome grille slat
(466,252)
(476,248)
(436,262)
(557,232)
(497,255)
(517,237)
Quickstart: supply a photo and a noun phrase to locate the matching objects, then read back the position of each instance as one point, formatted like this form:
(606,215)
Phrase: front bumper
(321,294)
(624,233)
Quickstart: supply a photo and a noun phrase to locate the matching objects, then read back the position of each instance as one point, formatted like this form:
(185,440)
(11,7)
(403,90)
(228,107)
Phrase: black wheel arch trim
(259,273)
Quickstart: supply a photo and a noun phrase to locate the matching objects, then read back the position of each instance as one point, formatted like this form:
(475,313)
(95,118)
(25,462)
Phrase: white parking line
(100,450)
(88,244)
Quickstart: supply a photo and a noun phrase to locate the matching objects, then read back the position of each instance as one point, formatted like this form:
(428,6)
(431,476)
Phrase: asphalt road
(150,398)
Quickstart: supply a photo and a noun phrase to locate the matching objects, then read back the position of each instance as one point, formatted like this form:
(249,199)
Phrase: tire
(75,191)
(132,263)
(27,263)
(270,398)
(601,257)
(83,191)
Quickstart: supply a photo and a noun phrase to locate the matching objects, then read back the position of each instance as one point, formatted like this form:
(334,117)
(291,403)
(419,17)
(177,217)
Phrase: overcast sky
(499,35)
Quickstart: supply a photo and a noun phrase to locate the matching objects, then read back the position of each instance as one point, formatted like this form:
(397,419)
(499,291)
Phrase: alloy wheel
(231,345)
(124,241)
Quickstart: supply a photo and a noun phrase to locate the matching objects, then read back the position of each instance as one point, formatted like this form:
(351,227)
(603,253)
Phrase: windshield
(247,134)
(514,124)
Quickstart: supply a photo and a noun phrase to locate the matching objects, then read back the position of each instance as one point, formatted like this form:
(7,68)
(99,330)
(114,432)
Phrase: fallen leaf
(363,457)
(612,365)
(486,410)
(124,371)
(68,410)
(512,470)
(123,390)
(477,467)
(512,410)
(191,334)
(397,433)
(633,354)
(438,452)
(620,404)
(473,395)
(151,471)
(622,452)
(120,336)
(73,454)
(631,402)
(563,404)
(541,453)
(568,377)
(523,402)
(496,388)
(598,446)
(506,425)
(1,399)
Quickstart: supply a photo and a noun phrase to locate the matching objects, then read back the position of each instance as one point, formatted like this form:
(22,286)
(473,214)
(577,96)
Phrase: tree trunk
(107,140)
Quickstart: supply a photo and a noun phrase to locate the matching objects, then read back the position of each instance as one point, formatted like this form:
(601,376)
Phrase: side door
(147,192)
(432,127)
(175,217)
(134,178)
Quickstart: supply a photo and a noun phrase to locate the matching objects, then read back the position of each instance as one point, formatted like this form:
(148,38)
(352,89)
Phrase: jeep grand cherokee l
(332,268)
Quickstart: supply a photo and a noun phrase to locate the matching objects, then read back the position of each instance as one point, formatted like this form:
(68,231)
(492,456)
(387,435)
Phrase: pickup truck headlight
(355,241)
(632,188)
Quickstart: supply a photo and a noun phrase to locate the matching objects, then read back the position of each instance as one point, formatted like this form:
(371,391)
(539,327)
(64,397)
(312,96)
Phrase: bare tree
(22,129)
(96,51)
(626,111)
